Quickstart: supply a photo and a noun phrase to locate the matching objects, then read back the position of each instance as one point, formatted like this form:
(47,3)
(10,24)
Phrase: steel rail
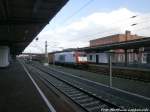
(75,93)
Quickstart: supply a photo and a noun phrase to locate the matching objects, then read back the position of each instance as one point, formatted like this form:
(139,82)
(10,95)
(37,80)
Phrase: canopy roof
(132,44)
(22,20)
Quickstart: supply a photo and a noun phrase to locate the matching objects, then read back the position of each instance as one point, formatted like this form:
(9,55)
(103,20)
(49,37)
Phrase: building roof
(106,37)
(132,44)
(115,39)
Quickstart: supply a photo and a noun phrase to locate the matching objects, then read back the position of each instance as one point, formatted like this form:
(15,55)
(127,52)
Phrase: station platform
(18,93)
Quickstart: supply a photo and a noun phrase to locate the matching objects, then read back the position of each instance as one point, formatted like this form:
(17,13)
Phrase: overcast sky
(82,20)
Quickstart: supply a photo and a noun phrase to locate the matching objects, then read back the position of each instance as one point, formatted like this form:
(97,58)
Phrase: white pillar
(4,56)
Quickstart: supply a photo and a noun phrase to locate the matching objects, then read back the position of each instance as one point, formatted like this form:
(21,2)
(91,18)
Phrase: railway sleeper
(97,108)
(88,101)
(62,86)
(73,92)
(75,95)
(84,100)
(67,89)
(90,104)
(80,97)
(94,109)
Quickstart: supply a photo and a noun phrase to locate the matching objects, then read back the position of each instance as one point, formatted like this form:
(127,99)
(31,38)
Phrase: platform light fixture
(133,16)
(134,24)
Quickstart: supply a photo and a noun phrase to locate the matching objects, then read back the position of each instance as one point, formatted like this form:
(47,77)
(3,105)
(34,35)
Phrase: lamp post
(30,56)
(110,67)
(133,16)
(46,63)
(46,55)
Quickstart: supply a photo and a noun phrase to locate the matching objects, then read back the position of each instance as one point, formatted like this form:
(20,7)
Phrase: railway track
(104,94)
(121,72)
(86,100)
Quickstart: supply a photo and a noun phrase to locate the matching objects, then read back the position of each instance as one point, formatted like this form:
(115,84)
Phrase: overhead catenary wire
(99,33)
(112,29)
(143,28)
(85,5)
(77,11)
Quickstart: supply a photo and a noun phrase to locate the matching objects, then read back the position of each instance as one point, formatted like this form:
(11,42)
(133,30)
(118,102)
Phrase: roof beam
(22,22)
(3,9)
(14,42)
(7,8)
(36,5)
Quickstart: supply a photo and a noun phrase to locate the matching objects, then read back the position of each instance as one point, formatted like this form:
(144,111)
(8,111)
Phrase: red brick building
(114,38)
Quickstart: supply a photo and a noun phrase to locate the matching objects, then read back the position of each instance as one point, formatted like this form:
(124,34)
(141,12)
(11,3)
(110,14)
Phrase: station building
(118,55)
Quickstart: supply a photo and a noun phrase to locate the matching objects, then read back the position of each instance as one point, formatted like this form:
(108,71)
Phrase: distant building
(33,56)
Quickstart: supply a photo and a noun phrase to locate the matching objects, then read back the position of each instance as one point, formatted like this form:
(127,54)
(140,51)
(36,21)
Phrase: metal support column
(126,57)
(53,59)
(46,54)
(110,69)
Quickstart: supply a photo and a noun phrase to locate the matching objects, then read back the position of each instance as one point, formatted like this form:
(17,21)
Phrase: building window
(62,58)
(91,57)
(144,58)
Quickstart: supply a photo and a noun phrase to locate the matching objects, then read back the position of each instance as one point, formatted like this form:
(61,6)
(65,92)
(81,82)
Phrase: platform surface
(18,93)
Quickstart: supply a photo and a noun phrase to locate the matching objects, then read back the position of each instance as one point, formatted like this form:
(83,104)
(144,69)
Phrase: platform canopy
(132,44)
(22,20)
